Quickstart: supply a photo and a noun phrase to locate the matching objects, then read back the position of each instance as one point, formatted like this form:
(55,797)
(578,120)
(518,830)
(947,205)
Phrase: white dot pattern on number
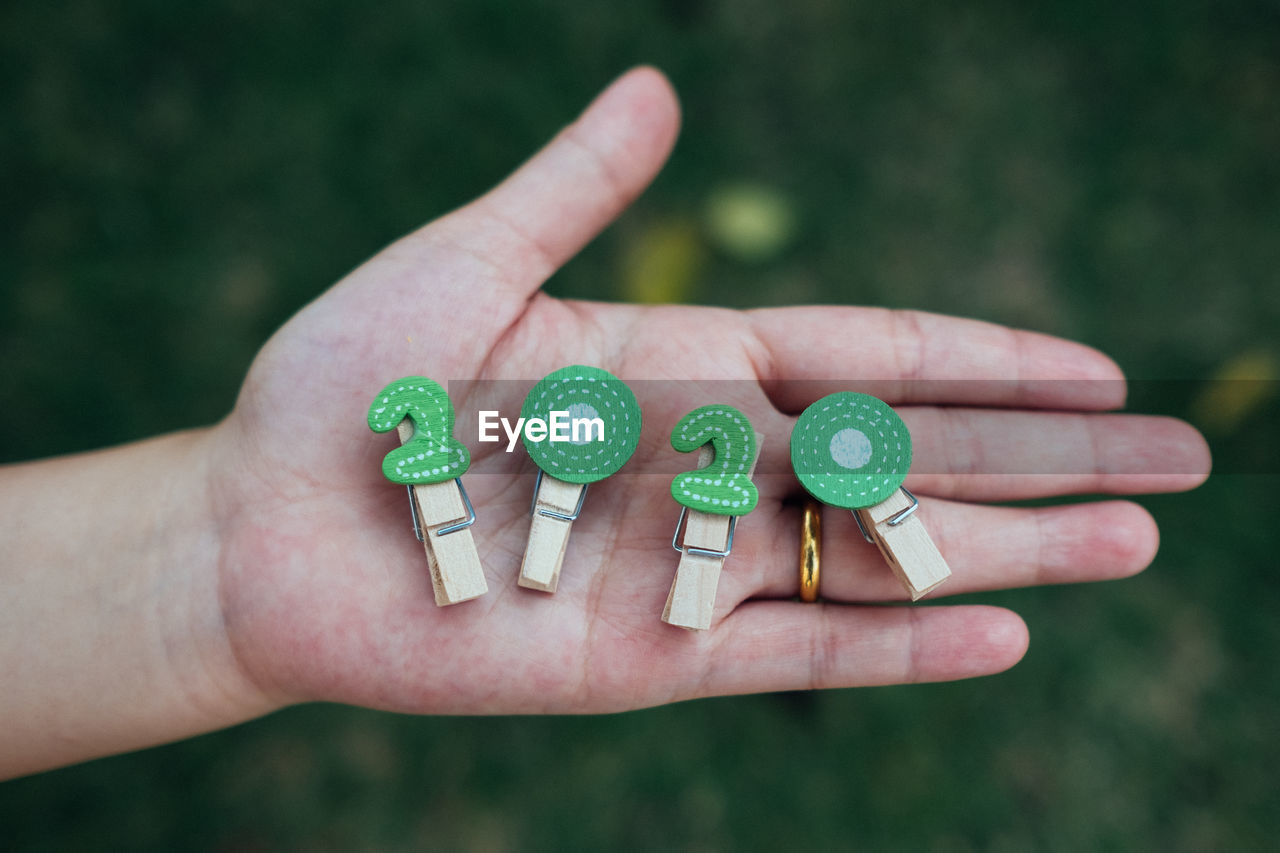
(422,421)
(850,483)
(612,406)
(724,462)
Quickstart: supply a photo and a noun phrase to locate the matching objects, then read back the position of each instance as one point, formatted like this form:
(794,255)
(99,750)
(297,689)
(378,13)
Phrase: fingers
(990,454)
(975,454)
(543,214)
(766,646)
(914,357)
(987,548)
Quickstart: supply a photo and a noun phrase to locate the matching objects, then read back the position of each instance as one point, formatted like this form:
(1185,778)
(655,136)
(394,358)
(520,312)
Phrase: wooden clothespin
(853,451)
(556,506)
(897,531)
(431,462)
(712,498)
(581,424)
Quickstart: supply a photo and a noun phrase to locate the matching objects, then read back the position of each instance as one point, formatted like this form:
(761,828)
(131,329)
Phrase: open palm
(326,593)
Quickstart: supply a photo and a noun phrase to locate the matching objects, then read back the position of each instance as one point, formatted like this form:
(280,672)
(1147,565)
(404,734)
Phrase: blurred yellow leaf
(749,221)
(1241,385)
(662,264)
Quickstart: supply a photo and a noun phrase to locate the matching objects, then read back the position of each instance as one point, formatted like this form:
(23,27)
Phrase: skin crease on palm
(325,592)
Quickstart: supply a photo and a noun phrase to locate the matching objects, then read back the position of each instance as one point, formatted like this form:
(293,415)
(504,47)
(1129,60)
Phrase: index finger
(805,353)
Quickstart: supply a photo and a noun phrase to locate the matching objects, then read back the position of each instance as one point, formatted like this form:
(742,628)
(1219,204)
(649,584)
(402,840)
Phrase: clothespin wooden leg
(556,505)
(692,599)
(905,543)
(456,573)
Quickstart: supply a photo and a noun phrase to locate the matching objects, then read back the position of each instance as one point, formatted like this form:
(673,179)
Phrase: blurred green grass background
(177,179)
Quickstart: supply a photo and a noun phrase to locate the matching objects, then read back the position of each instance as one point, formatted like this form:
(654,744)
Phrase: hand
(325,591)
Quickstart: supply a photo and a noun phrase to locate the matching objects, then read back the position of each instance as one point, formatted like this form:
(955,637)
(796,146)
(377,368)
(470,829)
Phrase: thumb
(559,200)
(478,265)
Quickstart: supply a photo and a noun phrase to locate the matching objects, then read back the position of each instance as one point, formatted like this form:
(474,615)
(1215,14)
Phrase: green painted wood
(850,450)
(433,455)
(584,392)
(724,486)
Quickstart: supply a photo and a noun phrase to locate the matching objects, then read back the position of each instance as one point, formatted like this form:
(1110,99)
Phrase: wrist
(228,501)
(112,636)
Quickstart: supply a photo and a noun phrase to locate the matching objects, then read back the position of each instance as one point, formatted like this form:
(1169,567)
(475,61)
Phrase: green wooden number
(588,395)
(723,487)
(850,450)
(433,455)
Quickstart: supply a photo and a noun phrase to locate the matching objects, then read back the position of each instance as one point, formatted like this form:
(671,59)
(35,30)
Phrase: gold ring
(810,551)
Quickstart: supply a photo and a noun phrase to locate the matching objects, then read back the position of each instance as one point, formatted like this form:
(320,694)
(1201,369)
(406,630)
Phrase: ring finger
(986,547)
